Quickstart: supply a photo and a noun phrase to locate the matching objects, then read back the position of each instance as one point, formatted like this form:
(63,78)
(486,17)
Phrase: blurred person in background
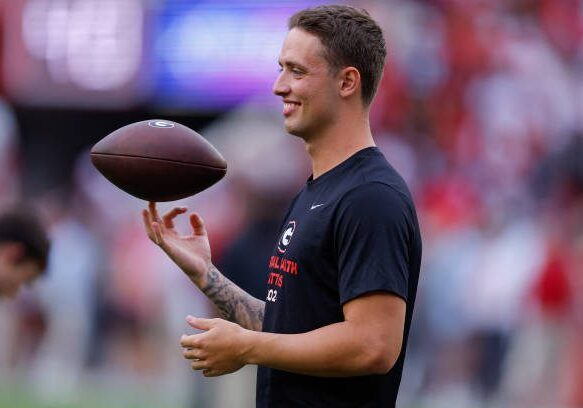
(346,305)
(24,247)
(9,155)
(66,297)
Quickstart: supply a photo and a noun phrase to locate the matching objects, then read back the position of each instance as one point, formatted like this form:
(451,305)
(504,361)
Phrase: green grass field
(16,397)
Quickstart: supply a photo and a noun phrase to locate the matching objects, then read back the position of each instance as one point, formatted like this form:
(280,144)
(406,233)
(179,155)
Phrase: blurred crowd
(480,109)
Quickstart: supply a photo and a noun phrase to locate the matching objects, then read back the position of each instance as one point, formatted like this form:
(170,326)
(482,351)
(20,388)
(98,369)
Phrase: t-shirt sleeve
(372,239)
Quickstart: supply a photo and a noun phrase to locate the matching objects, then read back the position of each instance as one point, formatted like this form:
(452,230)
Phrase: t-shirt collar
(340,168)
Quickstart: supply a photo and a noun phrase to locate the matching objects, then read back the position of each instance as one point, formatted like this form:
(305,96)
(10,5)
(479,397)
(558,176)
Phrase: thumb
(199,323)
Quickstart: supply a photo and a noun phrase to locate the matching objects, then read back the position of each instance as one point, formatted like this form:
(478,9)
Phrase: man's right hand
(192,253)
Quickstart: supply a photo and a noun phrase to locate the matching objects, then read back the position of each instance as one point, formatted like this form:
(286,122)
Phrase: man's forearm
(337,350)
(233,303)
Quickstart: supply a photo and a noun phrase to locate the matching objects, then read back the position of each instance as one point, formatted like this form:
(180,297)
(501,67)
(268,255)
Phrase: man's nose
(280,86)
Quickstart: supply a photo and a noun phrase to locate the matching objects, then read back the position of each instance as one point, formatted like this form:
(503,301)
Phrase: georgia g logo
(161,124)
(286,236)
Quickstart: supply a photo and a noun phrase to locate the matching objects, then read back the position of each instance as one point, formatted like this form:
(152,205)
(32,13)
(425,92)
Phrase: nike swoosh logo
(316,206)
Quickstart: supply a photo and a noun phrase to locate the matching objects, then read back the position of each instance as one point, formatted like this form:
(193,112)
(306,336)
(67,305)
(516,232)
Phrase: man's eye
(279,69)
(297,71)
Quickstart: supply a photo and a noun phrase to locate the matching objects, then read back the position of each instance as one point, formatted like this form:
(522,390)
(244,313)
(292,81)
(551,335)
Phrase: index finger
(191,341)
(170,215)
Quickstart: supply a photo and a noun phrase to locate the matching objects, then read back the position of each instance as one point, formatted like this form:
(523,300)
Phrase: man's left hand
(220,349)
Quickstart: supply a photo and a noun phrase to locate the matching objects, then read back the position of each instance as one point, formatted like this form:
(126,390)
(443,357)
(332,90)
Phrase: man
(24,248)
(343,275)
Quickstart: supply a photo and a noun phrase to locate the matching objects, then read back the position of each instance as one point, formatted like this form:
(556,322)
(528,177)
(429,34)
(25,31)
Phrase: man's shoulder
(377,190)
(375,175)
(377,201)
(377,182)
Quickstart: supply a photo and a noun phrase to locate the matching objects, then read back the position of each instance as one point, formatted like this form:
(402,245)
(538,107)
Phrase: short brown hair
(351,38)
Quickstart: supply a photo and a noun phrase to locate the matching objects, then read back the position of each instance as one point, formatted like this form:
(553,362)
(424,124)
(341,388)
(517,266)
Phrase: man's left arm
(367,342)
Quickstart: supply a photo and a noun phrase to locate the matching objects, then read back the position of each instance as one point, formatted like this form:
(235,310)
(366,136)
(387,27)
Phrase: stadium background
(480,108)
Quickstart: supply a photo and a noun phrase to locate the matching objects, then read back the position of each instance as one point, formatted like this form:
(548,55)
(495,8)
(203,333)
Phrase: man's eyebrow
(291,64)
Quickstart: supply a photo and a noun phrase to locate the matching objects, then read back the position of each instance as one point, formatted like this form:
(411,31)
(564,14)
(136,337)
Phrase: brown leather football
(158,160)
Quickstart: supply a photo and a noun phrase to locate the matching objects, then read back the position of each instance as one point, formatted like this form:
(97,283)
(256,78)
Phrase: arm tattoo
(234,303)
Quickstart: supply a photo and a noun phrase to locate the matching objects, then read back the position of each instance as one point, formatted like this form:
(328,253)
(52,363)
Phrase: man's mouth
(289,107)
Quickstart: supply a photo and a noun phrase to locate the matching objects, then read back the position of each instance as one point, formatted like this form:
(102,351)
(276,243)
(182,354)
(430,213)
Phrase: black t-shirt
(351,231)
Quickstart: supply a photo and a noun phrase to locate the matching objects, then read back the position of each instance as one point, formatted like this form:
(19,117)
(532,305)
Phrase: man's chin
(294,130)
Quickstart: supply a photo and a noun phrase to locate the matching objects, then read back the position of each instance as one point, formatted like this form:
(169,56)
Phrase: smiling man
(24,247)
(343,275)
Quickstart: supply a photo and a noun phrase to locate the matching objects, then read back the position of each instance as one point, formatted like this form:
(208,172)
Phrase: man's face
(14,273)
(306,85)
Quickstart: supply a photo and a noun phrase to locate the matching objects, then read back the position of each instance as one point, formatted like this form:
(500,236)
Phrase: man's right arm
(234,303)
(192,254)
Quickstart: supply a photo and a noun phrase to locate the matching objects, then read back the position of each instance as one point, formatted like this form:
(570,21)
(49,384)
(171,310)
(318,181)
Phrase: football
(158,160)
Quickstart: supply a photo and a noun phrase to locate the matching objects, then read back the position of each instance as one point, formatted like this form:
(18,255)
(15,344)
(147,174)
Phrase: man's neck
(337,144)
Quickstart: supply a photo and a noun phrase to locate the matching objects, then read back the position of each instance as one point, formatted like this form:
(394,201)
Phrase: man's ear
(349,81)
(12,252)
